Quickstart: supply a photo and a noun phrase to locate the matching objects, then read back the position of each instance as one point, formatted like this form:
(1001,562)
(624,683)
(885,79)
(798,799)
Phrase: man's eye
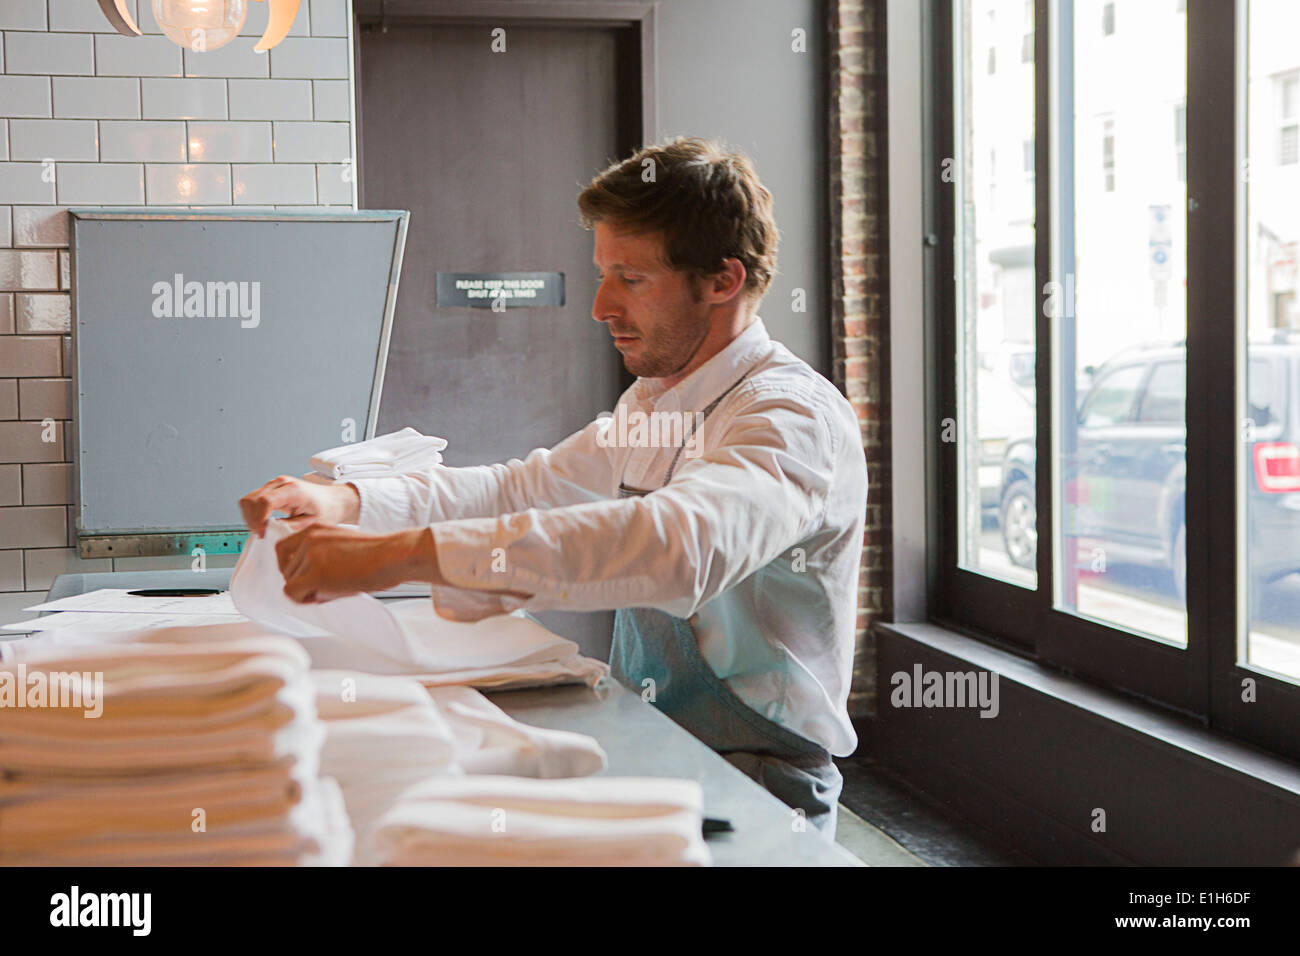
(630,281)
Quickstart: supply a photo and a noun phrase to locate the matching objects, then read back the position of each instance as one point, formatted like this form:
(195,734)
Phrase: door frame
(640,17)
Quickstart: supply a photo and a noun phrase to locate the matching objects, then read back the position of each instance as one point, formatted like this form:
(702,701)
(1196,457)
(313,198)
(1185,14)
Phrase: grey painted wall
(726,70)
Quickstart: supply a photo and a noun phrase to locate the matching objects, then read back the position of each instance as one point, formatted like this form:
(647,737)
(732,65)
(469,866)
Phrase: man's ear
(727,283)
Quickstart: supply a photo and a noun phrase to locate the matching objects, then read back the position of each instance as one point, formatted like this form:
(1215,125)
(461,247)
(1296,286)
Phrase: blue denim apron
(652,645)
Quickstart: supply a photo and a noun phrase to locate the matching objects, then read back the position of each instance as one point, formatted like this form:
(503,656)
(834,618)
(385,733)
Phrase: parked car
(1125,485)
(1005,399)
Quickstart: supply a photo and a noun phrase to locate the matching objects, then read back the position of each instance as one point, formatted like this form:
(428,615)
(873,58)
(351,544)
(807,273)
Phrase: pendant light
(203,25)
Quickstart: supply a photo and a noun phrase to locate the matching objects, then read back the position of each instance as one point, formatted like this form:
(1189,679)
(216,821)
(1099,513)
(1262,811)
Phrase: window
(1288,114)
(1140,526)
(1108,154)
(994,249)
(1118,490)
(1268,457)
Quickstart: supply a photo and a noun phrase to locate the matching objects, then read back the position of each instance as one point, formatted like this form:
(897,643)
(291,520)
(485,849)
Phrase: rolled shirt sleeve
(762,488)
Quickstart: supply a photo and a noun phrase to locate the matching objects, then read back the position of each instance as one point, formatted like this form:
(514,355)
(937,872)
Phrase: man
(731,555)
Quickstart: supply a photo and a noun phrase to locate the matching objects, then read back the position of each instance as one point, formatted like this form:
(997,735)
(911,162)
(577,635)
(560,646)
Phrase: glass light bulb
(200,25)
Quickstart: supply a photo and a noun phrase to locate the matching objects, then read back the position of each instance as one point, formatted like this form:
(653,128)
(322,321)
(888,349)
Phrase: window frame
(1202,680)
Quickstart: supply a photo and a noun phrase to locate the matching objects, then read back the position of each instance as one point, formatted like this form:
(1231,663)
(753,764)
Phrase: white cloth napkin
(314,832)
(257,591)
(386,734)
(225,727)
(396,453)
(490,741)
(493,820)
(360,632)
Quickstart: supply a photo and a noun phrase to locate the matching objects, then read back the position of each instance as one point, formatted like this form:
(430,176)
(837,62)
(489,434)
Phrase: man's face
(655,313)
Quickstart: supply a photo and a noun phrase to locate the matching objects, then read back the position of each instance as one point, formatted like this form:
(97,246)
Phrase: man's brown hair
(707,201)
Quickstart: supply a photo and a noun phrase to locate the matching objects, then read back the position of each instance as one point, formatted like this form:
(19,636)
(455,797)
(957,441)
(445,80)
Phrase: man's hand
(306,501)
(320,562)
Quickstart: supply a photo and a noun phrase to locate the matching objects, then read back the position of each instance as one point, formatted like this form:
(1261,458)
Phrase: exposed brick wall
(859,294)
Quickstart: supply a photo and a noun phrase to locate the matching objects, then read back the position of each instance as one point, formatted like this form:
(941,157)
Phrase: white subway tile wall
(92,118)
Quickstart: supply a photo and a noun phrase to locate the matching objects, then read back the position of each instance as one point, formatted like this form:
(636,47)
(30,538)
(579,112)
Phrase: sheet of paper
(109,621)
(120,600)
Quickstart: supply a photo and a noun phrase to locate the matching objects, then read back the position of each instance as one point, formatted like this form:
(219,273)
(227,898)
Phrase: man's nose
(603,306)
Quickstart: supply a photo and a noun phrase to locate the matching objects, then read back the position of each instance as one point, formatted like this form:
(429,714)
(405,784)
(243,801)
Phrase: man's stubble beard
(675,347)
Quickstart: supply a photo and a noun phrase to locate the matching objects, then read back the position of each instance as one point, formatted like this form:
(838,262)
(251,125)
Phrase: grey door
(488,150)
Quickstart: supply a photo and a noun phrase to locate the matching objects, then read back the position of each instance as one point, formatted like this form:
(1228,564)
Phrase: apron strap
(695,424)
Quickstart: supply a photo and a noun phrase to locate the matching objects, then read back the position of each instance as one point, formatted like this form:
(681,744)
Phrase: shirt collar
(716,375)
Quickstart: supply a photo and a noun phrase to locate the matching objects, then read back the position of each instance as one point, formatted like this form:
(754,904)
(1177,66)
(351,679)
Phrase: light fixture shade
(200,25)
(120,16)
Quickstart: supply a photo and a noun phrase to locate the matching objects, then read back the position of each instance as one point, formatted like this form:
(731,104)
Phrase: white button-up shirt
(757,538)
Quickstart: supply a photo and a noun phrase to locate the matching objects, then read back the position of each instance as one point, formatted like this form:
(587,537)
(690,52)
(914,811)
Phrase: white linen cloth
(390,454)
(490,741)
(757,538)
(225,727)
(382,735)
(385,734)
(315,832)
(257,591)
(359,632)
(513,821)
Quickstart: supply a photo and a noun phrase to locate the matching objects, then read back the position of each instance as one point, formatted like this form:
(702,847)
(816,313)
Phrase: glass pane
(1270,458)
(993,175)
(1118,300)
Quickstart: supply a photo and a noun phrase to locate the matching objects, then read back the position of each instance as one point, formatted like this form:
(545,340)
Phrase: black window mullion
(1211,335)
(1045,230)
(1217,356)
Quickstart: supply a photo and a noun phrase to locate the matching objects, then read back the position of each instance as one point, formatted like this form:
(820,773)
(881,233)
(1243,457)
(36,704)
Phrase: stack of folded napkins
(396,453)
(165,754)
(384,735)
(515,821)
(360,632)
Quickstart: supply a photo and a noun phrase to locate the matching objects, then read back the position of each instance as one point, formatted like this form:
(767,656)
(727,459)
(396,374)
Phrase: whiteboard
(215,350)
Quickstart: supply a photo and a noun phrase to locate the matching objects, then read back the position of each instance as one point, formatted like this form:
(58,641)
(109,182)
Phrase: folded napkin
(514,821)
(314,832)
(161,706)
(396,453)
(226,727)
(385,734)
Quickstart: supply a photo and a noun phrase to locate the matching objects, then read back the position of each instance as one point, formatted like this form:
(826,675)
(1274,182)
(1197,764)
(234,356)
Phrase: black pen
(175,592)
